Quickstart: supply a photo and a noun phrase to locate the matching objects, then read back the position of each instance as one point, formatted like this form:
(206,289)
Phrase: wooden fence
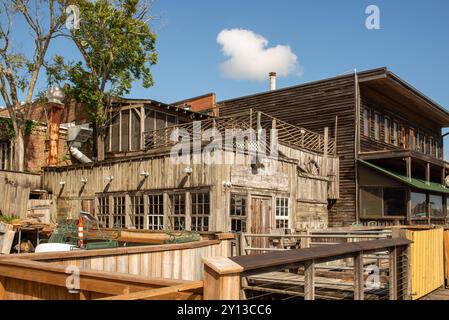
(15,190)
(426,261)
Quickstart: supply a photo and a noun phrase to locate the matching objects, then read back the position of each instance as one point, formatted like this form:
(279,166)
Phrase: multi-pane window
(118,212)
(177,212)
(156,212)
(103,211)
(282,214)
(376,126)
(4,155)
(137,213)
(387,128)
(366,122)
(200,211)
(238,213)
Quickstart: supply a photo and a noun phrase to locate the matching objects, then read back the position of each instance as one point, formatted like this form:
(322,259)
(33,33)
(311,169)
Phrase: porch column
(408,162)
(427,172)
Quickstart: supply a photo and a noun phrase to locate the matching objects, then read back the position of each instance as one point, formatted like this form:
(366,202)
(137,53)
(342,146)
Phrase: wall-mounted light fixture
(188,170)
(145,174)
(108,179)
(62,183)
(227,184)
(83,181)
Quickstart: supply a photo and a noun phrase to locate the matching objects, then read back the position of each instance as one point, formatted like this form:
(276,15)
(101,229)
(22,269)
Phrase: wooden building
(140,186)
(388,138)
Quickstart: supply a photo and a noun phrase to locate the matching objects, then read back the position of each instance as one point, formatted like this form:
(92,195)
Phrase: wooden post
(2,288)
(326,141)
(221,279)
(309,280)
(359,282)
(427,172)
(408,162)
(393,255)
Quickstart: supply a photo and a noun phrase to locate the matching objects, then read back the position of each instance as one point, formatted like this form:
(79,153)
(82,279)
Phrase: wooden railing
(230,278)
(248,243)
(288,134)
(22,279)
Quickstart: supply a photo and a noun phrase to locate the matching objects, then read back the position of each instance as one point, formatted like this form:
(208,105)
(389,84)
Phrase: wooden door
(260,221)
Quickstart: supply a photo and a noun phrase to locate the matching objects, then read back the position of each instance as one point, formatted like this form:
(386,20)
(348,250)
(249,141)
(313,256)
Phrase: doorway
(260,220)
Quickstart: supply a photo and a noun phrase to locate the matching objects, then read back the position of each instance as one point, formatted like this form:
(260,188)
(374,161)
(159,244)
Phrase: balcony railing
(288,134)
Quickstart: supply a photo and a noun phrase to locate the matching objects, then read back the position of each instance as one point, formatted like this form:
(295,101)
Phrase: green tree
(118,47)
(19,69)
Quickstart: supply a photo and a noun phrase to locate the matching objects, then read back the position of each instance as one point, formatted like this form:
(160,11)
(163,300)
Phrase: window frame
(175,216)
(103,213)
(199,217)
(241,218)
(382,215)
(137,217)
(156,209)
(282,213)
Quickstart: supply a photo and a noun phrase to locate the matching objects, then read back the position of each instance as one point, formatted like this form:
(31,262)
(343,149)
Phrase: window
(395,133)
(437,149)
(376,126)
(238,213)
(394,202)
(200,211)
(177,213)
(371,202)
(155,212)
(436,206)
(118,212)
(103,211)
(282,214)
(377,202)
(419,205)
(431,146)
(137,214)
(4,155)
(411,139)
(366,122)
(387,129)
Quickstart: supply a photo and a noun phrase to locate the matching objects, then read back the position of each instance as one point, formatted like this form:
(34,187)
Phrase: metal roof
(412,182)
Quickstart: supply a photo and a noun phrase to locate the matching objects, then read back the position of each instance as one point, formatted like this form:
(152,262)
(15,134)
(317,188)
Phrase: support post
(309,280)
(393,264)
(408,162)
(359,282)
(427,172)
(221,279)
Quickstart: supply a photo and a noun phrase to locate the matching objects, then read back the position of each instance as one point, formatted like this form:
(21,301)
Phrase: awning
(412,182)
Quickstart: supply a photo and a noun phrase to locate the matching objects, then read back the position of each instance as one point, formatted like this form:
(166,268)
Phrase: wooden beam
(359,282)
(157,294)
(393,254)
(309,280)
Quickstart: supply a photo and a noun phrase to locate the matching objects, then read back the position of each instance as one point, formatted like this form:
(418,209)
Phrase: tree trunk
(19,150)
(100,144)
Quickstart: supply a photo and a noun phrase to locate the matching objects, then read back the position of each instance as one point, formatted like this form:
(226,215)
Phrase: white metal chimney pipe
(272,81)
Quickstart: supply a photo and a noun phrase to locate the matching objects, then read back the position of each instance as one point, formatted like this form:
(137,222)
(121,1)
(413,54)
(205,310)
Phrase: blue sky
(328,37)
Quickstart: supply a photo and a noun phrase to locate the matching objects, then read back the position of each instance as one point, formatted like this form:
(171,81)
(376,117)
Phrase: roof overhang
(393,87)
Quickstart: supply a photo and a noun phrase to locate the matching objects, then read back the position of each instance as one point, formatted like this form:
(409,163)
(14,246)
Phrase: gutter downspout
(78,155)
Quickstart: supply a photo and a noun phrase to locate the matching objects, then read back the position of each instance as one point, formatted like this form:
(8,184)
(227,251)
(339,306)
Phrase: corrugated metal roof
(412,182)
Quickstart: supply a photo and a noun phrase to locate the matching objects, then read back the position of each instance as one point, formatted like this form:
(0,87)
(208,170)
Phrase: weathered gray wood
(309,280)
(393,291)
(359,283)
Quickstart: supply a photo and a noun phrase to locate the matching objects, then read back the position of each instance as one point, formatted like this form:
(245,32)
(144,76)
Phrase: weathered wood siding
(15,190)
(315,106)
(175,261)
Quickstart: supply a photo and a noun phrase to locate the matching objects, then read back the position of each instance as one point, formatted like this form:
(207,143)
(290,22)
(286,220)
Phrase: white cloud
(249,57)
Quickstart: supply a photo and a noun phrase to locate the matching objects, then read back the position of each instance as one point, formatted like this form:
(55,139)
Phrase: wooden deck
(440,294)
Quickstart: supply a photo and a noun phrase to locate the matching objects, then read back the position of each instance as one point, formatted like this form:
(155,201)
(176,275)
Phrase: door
(260,220)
